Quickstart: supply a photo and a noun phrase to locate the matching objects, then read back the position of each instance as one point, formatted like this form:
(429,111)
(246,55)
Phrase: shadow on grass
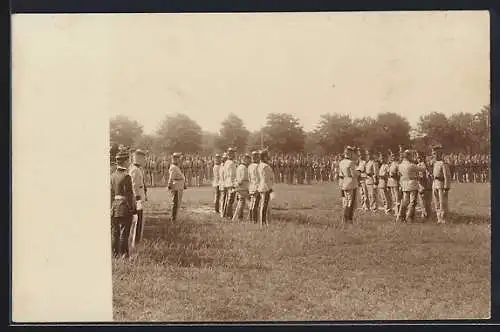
(185,243)
(456,218)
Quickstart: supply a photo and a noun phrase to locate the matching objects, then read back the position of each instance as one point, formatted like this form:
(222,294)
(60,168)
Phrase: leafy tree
(283,133)
(179,133)
(335,132)
(208,143)
(255,141)
(389,131)
(232,134)
(124,131)
(437,128)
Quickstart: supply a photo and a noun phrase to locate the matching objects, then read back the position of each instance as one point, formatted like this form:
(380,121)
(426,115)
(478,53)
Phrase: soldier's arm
(129,193)
(134,176)
(446,176)
(170,181)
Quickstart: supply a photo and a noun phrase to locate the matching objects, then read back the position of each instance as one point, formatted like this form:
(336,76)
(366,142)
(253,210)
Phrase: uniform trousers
(372,196)
(217,194)
(139,230)
(408,205)
(253,211)
(223,196)
(230,197)
(241,196)
(265,197)
(363,195)
(120,232)
(385,197)
(440,197)
(348,204)
(176,202)
(395,198)
(425,198)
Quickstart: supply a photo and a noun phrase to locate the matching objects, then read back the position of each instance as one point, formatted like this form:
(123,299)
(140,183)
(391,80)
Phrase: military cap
(176,155)
(407,153)
(437,147)
(140,152)
(217,155)
(231,150)
(351,148)
(224,155)
(255,153)
(247,155)
(263,152)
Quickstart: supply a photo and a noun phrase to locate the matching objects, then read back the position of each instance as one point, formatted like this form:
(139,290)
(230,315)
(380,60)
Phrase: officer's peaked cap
(217,155)
(140,152)
(255,153)
(231,150)
(176,154)
(122,154)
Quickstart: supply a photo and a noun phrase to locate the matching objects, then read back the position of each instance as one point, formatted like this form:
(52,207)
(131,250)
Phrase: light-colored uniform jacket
(216,179)
(253,177)
(371,171)
(348,174)
(176,179)
(393,171)
(441,173)
(138,185)
(408,172)
(222,175)
(266,177)
(229,173)
(242,182)
(383,176)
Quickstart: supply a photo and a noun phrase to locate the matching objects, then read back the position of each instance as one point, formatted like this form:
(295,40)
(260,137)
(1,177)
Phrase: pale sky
(307,64)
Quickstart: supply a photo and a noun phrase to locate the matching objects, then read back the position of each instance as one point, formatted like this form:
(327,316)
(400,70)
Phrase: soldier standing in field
(363,190)
(440,184)
(222,187)
(408,180)
(393,183)
(140,191)
(348,180)
(372,180)
(229,180)
(253,177)
(216,183)
(122,206)
(265,187)
(424,186)
(383,178)
(242,184)
(176,184)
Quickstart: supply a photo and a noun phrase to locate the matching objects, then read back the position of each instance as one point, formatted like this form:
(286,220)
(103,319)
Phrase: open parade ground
(306,265)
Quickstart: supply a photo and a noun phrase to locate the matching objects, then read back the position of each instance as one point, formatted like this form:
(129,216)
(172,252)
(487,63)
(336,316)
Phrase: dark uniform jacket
(121,185)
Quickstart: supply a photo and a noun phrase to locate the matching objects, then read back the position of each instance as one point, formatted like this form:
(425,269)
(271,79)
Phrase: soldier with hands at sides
(176,185)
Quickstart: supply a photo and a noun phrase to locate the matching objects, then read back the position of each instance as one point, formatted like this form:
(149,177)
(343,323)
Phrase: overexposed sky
(307,64)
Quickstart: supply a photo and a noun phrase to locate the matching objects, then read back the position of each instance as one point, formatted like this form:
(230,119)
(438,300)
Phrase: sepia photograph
(287,166)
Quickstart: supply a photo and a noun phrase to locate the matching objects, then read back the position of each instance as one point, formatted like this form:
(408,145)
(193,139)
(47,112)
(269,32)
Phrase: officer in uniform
(229,180)
(424,186)
(409,186)
(393,183)
(383,178)
(372,180)
(140,190)
(440,184)
(363,190)
(242,185)
(216,183)
(265,188)
(123,206)
(348,179)
(176,184)
(253,177)
(222,187)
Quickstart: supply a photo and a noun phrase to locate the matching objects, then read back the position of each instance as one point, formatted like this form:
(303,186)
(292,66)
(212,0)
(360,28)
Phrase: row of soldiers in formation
(397,183)
(303,169)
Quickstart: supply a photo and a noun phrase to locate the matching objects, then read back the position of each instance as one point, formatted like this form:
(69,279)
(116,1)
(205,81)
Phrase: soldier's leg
(139,230)
(427,204)
(345,205)
(115,236)
(239,208)
(258,198)
(224,202)
(405,201)
(125,223)
(372,197)
(230,204)
(444,204)
(435,199)
(410,213)
(264,206)
(386,200)
(175,204)
(216,199)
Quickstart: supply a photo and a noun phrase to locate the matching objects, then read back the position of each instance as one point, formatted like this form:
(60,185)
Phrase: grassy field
(305,266)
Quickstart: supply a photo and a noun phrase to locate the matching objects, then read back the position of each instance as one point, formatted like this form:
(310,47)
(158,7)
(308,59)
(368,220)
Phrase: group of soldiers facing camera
(398,182)
(248,184)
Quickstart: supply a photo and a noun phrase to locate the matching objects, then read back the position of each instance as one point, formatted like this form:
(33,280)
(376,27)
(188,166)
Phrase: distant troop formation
(394,183)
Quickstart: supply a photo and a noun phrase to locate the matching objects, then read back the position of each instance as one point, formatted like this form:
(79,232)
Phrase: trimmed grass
(305,266)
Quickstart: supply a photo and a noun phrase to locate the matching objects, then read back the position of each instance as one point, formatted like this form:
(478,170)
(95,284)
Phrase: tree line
(283,133)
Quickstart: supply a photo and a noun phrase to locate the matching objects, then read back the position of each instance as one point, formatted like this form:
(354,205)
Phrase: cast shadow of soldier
(178,243)
(476,219)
